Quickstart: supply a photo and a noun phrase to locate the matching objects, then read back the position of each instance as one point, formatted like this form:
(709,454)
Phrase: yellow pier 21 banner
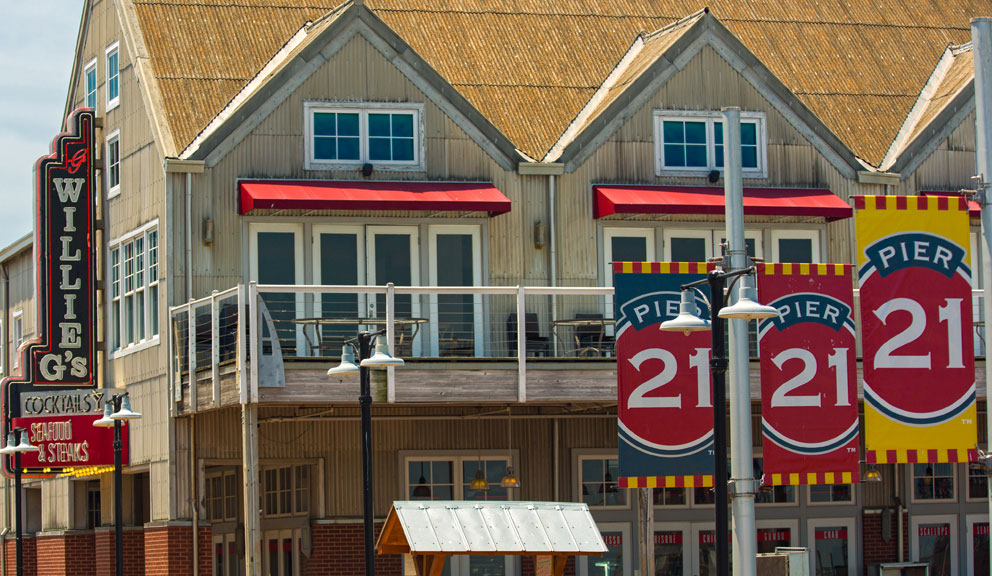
(916,329)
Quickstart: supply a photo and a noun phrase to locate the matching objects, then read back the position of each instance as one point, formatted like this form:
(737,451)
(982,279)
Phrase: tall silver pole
(741,469)
(981,37)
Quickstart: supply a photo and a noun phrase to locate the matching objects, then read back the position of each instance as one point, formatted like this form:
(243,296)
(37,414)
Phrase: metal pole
(981,36)
(365,401)
(742,471)
(17,511)
(718,372)
(118,491)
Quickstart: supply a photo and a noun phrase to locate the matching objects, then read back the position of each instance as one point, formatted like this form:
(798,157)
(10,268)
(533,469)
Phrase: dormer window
(691,143)
(388,136)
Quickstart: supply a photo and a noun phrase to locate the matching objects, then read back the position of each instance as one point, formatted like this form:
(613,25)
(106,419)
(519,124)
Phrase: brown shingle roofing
(531,65)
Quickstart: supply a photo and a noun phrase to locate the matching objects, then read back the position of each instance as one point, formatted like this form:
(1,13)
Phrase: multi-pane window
(113,76)
(776,494)
(386,136)
(933,481)
(819,493)
(222,496)
(89,84)
(669,497)
(113,164)
(286,491)
(688,142)
(450,478)
(977,484)
(93,514)
(598,482)
(134,288)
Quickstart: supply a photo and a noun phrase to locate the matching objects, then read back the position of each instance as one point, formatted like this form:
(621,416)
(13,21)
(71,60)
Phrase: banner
(665,411)
(917,334)
(809,393)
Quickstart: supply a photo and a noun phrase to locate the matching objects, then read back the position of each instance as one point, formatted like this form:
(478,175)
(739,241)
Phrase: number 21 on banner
(949,312)
(836,360)
(699,361)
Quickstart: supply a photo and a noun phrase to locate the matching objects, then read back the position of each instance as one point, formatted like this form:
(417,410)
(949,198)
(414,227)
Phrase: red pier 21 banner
(809,393)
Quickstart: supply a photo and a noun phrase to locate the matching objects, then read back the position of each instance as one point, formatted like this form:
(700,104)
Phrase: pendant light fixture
(510,480)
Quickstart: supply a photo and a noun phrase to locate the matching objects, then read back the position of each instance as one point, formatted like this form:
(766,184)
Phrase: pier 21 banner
(664,405)
(809,393)
(917,334)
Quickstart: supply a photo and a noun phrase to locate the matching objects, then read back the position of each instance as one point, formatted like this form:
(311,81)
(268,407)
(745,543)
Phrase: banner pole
(981,35)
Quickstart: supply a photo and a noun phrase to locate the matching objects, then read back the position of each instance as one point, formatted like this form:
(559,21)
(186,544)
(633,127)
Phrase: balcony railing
(211,338)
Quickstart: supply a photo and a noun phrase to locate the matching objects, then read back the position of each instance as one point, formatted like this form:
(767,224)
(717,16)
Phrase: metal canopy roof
(432,530)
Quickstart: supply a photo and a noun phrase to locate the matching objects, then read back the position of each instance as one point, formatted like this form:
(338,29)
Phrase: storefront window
(935,548)
(933,481)
(599,482)
(830,550)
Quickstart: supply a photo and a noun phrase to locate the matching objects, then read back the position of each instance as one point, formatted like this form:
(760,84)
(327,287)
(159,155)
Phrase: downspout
(193,495)
(899,532)
(552,245)
(189,236)
(6,366)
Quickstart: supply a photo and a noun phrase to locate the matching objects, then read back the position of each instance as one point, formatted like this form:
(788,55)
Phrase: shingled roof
(530,66)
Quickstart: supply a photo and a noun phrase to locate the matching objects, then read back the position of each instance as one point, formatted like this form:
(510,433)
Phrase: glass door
(227,561)
(276,252)
(832,547)
(339,260)
(616,561)
(456,319)
(670,555)
(393,256)
(978,547)
(281,552)
(624,245)
(934,541)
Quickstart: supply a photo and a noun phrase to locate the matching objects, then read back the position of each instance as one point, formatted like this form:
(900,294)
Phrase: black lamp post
(347,367)
(15,449)
(687,321)
(115,413)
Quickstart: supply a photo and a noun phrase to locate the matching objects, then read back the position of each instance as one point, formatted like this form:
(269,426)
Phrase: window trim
(363,109)
(91,66)
(624,528)
(293,489)
(116,243)
(594,454)
(209,496)
(914,535)
(116,101)
(701,233)
(16,333)
(456,457)
(753,117)
(966,485)
(796,234)
(112,190)
(955,486)
(848,523)
(969,536)
(475,232)
(852,502)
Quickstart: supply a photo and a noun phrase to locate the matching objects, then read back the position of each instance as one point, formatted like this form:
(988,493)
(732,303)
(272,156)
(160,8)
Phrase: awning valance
(345,195)
(974,208)
(809,202)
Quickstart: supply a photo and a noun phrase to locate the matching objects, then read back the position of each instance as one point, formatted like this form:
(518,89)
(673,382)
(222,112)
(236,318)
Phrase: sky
(37,47)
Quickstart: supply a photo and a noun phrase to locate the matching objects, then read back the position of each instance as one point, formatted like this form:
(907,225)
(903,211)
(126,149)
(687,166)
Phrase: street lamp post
(15,449)
(115,413)
(347,367)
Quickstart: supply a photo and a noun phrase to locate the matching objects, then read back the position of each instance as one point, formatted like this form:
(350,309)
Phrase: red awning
(341,195)
(974,209)
(702,200)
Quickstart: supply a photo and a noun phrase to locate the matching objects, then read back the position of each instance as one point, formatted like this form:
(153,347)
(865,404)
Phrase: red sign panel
(838,534)
(935,530)
(809,396)
(69,442)
(667,537)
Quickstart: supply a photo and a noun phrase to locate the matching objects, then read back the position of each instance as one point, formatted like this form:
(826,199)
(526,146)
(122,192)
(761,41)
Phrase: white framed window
(455,259)
(616,561)
(94,518)
(3,351)
(134,290)
(387,135)
(449,476)
(977,544)
(598,478)
(687,245)
(977,485)
(89,84)
(934,482)
(777,495)
(286,491)
(222,496)
(826,494)
(934,540)
(113,83)
(112,165)
(690,143)
(17,337)
(832,546)
(670,498)
(796,246)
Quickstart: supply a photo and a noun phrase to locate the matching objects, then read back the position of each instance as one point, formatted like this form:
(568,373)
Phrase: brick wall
(30,556)
(62,554)
(877,550)
(169,550)
(340,549)
(105,552)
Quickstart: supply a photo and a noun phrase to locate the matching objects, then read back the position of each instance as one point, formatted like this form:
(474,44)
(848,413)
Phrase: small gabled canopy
(432,530)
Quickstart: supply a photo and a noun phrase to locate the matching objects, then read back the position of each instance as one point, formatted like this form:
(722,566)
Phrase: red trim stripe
(972,455)
(892,455)
(859,202)
(902,202)
(934,455)
(870,457)
(880,203)
(943,202)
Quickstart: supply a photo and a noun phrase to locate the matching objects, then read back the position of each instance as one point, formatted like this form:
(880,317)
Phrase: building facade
(277,176)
